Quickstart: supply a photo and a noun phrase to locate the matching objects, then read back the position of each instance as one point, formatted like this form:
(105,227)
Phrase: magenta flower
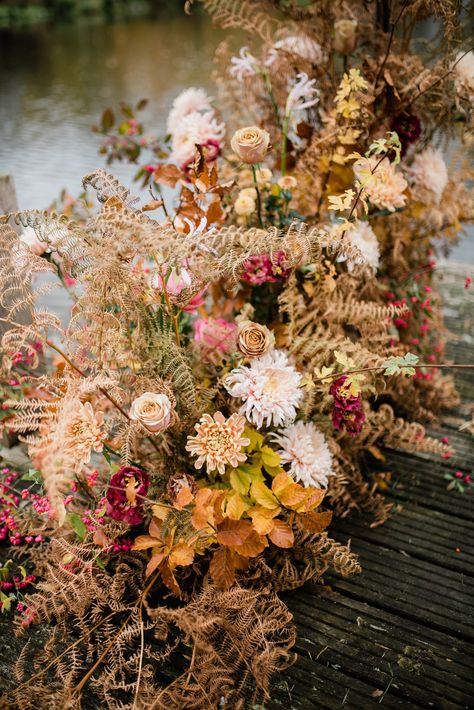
(215,336)
(125,494)
(264,268)
(347,412)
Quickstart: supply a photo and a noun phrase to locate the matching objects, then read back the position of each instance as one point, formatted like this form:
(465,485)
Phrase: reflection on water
(55,82)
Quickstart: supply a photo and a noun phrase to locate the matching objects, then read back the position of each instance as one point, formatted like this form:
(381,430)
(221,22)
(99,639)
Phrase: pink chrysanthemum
(304,448)
(218,442)
(269,388)
(385,186)
(84,434)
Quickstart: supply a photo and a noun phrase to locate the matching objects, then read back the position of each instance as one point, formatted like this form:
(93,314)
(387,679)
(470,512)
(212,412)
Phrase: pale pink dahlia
(269,388)
(191,130)
(429,172)
(84,434)
(362,236)
(304,448)
(188,101)
(218,442)
(385,186)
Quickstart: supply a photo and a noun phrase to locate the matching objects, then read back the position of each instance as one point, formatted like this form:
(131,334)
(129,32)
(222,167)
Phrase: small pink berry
(458,474)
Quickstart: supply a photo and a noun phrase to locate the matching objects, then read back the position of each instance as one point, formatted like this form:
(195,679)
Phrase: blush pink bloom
(215,336)
(218,442)
(265,268)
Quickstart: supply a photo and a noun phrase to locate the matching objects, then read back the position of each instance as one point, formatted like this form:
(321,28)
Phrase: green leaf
(79,527)
(256,439)
(32,475)
(108,120)
(6,602)
(240,481)
(401,365)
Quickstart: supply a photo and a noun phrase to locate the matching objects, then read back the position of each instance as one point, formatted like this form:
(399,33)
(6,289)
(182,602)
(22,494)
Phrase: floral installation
(238,346)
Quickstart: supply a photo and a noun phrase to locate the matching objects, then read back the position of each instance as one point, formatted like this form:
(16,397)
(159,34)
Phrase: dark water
(56,80)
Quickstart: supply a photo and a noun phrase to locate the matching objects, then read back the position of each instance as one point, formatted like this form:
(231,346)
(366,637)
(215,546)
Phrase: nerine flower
(191,100)
(269,388)
(303,46)
(191,130)
(218,442)
(385,186)
(428,171)
(245,65)
(362,236)
(302,95)
(125,494)
(304,448)
(84,434)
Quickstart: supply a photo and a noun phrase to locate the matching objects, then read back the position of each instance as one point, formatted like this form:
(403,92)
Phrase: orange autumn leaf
(184,497)
(169,579)
(181,555)
(282,535)
(287,491)
(222,567)
(233,532)
(263,519)
(155,561)
(144,542)
(167,175)
(315,498)
(315,522)
(252,546)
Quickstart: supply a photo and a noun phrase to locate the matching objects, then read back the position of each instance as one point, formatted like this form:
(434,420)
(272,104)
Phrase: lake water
(55,82)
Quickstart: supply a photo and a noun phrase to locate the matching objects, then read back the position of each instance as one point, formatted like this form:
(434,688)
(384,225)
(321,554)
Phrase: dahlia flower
(269,388)
(262,268)
(191,100)
(191,130)
(84,434)
(304,448)
(464,73)
(125,494)
(429,172)
(362,236)
(218,442)
(385,186)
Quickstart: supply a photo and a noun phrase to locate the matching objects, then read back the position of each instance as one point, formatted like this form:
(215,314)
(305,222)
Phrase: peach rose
(254,340)
(250,144)
(345,39)
(153,410)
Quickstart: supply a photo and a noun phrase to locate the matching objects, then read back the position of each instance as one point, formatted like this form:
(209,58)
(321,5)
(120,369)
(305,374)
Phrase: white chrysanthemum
(195,128)
(269,388)
(382,183)
(302,45)
(429,171)
(189,101)
(304,448)
(362,236)
(464,73)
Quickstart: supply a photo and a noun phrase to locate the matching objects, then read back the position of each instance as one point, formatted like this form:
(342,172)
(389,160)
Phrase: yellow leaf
(269,457)
(181,555)
(256,439)
(263,519)
(236,506)
(240,481)
(263,495)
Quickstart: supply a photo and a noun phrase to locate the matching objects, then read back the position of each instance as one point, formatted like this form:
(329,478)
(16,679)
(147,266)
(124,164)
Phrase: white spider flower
(245,65)
(269,388)
(428,171)
(191,100)
(304,448)
(303,94)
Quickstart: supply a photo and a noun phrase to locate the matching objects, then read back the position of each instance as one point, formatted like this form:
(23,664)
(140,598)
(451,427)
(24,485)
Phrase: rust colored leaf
(253,545)
(184,497)
(315,522)
(155,562)
(181,555)
(144,542)
(233,532)
(282,535)
(152,205)
(222,567)
(167,175)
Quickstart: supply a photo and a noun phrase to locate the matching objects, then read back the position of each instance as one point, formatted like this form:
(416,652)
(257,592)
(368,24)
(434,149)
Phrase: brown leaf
(252,546)
(152,205)
(282,535)
(167,175)
(144,542)
(155,562)
(184,497)
(222,567)
(315,522)
(233,532)
(170,580)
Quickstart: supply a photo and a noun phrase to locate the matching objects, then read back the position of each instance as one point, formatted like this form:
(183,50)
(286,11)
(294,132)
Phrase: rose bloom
(244,205)
(287,182)
(124,495)
(154,411)
(345,39)
(254,340)
(250,144)
(215,336)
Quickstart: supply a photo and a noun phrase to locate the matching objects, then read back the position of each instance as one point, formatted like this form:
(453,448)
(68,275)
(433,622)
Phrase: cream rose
(250,144)
(153,410)
(287,182)
(253,339)
(244,205)
(345,39)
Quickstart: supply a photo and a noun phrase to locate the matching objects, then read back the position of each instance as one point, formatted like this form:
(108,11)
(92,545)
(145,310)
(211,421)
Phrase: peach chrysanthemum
(269,388)
(385,186)
(218,442)
(84,434)
(304,448)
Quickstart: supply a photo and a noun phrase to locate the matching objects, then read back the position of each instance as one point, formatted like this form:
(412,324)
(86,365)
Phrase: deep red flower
(125,494)
(348,411)
(408,128)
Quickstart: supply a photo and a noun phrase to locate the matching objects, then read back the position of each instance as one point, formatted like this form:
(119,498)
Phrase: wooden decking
(401,634)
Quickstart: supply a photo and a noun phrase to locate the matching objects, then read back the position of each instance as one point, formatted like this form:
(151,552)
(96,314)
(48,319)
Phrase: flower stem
(284,137)
(259,201)
(333,375)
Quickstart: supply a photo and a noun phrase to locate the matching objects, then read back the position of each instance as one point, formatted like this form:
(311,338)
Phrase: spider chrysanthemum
(218,442)
(304,448)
